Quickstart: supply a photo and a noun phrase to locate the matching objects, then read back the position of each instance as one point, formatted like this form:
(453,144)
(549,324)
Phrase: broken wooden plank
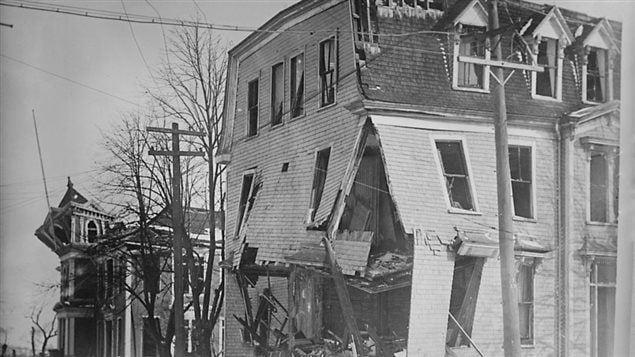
(344,298)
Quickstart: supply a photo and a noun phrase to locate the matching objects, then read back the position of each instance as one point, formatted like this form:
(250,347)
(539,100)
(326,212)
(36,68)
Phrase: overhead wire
(144,19)
(134,37)
(68,79)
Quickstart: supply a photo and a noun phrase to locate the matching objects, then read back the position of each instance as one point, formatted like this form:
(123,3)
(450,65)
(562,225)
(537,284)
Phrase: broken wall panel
(431,287)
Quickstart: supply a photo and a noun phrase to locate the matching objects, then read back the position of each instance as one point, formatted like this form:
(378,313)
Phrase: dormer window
(598,50)
(549,82)
(548,40)
(472,75)
(471,49)
(596,75)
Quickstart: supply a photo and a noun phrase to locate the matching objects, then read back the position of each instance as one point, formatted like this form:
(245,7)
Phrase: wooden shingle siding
(277,221)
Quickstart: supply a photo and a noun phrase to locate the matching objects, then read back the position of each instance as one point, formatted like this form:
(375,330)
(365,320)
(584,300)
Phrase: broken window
(547,81)
(252,107)
(297,86)
(599,188)
(319,178)
(525,283)
(466,283)
(520,163)
(328,68)
(247,194)
(456,175)
(277,93)
(595,75)
(602,289)
(365,20)
(472,44)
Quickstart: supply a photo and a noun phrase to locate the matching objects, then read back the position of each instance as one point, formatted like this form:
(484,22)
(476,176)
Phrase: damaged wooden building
(362,211)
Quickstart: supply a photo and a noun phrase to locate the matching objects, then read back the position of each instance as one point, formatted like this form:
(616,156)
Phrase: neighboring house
(70,230)
(370,124)
(97,314)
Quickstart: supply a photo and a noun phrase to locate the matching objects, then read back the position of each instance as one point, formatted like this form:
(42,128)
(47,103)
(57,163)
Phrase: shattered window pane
(252,100)
(455,173)
(599,188)
(328,66)
(546,80)
(470,75)
(596,75)
(297,85)
(319,178)
(244,206)
(277,93)
(520,164)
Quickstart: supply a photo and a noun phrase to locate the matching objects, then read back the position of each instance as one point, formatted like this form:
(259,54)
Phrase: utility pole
(511,320)
(177,226)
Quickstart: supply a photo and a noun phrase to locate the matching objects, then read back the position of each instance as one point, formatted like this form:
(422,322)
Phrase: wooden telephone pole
(178,228)
(511,320)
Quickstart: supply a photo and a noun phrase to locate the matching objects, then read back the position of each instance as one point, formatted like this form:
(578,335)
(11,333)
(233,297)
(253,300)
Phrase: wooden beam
(344,298)
(501,64)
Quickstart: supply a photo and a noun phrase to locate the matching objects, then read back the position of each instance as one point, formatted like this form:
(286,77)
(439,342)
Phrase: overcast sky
(80,75)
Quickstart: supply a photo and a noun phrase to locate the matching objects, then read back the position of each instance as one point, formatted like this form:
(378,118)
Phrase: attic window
(471,48)
(365,20)
(319,179)
(549,81)
(596,75)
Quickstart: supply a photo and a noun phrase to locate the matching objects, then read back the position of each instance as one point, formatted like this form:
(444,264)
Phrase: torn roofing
(417,70)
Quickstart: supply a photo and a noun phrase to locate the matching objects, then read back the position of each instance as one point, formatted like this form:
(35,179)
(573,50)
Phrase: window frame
(321,103)
(315,202)
(532,196)
(611,158)
(272,93)
(242,211)
(592,295)
(529,263)
(608,73)
(256,108)
(434,138)
(485,88)
(292,87)
(559,62)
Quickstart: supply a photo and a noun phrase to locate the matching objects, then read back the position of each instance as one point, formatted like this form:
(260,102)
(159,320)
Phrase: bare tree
(139,187)
(41,332)
(191,90)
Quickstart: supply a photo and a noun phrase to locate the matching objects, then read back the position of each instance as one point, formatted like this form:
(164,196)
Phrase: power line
(68,79)
(144,19)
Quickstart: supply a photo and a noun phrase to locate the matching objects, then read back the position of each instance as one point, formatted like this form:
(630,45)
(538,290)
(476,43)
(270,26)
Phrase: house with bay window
(362,210)
(105,274)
